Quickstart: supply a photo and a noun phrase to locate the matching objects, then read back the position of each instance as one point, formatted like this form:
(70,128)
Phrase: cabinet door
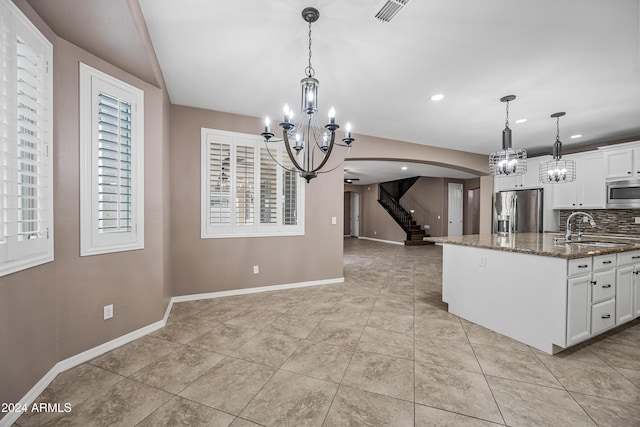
(578,309)
(531,179)
(636,291)
(505,183)
(636,162)
(619,164)
(564,195)
(624,294)
(591,183)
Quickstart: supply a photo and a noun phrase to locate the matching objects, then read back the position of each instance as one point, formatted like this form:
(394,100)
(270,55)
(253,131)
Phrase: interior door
(455,209)
(355,214)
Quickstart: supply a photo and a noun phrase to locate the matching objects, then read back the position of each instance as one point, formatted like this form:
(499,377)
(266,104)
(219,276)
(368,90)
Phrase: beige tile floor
(378,350)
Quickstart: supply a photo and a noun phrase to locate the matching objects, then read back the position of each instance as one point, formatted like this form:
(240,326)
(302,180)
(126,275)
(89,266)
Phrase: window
(111,164)
(245,193)
(26,199)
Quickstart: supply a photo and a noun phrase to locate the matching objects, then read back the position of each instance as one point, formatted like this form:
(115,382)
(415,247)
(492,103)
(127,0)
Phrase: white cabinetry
(578,309)
(591,291)
(622,162)
(628,286)
(528,180)
(588,190)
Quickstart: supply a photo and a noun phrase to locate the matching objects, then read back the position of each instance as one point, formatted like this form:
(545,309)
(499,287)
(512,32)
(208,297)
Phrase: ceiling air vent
(388,10)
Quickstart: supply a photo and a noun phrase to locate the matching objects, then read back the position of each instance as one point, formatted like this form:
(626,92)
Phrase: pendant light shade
(558,170)
(508,161)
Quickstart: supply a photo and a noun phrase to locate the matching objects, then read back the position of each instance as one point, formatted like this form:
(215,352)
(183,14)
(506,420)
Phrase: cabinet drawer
(603,286)
(579,266)
(627,258)
(603,262)
(603,316)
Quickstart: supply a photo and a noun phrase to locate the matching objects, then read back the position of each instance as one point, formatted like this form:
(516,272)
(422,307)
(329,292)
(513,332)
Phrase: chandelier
(557,171)
(508,161)
(308,144)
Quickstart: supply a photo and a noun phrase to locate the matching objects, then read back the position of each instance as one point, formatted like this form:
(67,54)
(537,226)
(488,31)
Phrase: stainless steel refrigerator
(518,211)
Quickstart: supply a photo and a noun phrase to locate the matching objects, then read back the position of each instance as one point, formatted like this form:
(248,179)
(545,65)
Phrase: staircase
(415,233)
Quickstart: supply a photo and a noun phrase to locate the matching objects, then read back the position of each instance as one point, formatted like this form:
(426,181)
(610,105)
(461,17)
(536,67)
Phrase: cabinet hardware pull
(606,286)
(593,282)
(583,266)
(635,257)
(606,316)
(606,262)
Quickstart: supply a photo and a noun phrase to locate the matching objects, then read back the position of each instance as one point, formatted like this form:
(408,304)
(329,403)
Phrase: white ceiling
(248,56)
(579,56)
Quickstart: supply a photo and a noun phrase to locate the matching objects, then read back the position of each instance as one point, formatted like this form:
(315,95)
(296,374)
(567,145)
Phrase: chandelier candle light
(313,143)
(557,171)
(508,161)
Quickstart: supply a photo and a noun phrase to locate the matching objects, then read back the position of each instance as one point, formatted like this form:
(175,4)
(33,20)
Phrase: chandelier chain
(558,128)
(309,70)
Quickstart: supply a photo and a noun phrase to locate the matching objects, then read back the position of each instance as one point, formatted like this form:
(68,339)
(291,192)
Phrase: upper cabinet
(588,190)
(622,162)
(520,182)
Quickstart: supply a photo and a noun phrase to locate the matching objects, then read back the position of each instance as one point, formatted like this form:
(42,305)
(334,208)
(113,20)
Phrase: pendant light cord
(506,123)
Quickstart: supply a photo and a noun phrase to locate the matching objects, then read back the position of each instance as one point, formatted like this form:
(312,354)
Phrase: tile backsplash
(608,221)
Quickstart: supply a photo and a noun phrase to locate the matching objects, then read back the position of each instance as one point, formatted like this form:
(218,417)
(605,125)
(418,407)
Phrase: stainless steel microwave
(623,194)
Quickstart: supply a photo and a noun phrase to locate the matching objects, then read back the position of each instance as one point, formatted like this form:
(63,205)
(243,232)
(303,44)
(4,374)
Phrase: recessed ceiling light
(437,97)
(404,168)
(576,136)
(521,120)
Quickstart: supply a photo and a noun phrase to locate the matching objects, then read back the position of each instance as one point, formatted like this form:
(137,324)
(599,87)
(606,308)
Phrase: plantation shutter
(244,183)
(268,188)
(25,137)
(219,183)
(289,193)
(111,164)
(114,202)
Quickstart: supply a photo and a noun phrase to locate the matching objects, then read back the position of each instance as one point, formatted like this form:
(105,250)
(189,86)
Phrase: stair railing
(397,212)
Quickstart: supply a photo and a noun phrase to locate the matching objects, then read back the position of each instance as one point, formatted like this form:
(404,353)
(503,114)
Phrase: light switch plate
(108,311)
(637,219)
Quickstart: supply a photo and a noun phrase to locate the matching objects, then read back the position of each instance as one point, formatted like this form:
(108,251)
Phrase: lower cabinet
(602,292)
(625,278)
(578,309)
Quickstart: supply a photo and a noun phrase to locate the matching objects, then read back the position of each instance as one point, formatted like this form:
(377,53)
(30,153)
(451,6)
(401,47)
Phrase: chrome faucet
(585,217)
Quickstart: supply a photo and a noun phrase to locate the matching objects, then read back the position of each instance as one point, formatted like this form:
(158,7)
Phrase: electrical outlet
(483,261)
(637,219)
(108,311)
(375,233)
(256,269)
(334,220)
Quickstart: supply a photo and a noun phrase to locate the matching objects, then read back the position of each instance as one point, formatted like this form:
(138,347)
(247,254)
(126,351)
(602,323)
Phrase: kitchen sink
(600,244)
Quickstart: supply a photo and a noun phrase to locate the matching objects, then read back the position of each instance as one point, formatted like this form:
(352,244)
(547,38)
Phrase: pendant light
(508,161)
(557,171)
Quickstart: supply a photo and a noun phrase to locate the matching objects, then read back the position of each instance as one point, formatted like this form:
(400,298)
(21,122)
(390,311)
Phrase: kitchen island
(545,294)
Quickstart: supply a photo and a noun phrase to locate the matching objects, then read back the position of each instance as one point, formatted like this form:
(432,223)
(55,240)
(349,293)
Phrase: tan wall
(486,200)
(372,148)
(209,265)
(427,194)
(53,311)
(375,222)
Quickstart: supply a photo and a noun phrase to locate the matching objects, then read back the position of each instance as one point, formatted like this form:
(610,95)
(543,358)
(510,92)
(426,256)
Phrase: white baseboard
(87,355)
(246,291)
(383,241)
